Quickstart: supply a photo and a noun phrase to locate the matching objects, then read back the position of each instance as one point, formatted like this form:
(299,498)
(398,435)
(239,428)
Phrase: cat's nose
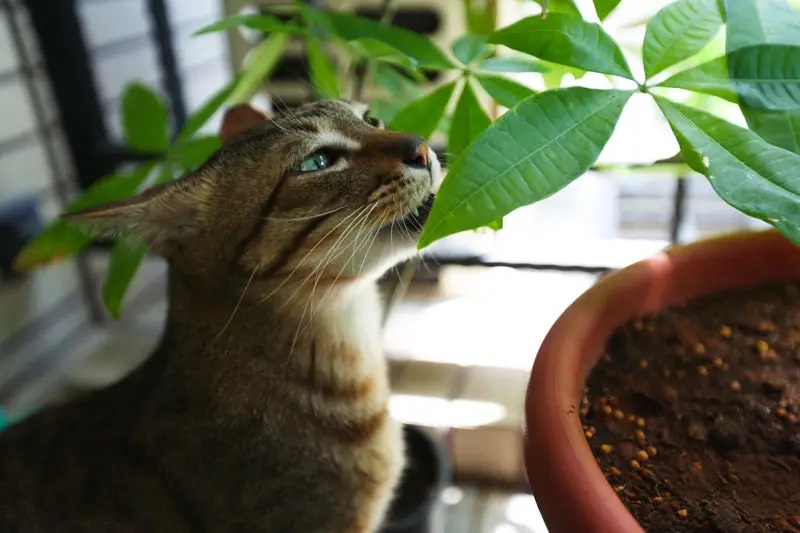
(416,152)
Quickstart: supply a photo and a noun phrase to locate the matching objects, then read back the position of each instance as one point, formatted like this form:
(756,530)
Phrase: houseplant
(545,141)
(558,134)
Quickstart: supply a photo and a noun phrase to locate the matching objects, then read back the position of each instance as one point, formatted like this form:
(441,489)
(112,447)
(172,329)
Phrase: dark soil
(694,414)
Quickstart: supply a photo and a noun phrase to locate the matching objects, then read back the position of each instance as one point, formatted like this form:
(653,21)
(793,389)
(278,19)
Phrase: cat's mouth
(418,216)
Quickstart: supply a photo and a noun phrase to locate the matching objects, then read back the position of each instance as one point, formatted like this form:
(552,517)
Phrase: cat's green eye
(315,162)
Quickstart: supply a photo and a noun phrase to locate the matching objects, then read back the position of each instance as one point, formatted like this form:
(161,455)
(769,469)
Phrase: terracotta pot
(568,485)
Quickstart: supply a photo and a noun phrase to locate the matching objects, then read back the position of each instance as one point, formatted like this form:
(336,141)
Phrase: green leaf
(323,73)
(144,119)
(255,21)
(763,76)
(56,242)
(62,239)
(480,16)
(558,6)
(566,40)
(679,31)
(750,174)
(781,128)
(123,263)
(263,60)
(198,119)
(709,78)
(394,82)
(754,22)
(422,116)
(414,45)
(505,92)
(605,7)
(469,121)
(469,48)
(512,64)
(372,49)
(528,154)
(192,153)
(111,188)
(555,74)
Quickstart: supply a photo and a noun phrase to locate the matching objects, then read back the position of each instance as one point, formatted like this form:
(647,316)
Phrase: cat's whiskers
(318,243)
(314,270)
(333,253)
(321,267)
(309,217)
(236,307)
(364,237)
(372,243)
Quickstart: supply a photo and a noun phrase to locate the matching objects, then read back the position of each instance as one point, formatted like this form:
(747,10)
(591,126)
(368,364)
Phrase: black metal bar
(170,72)
(86,280)
(678,210)
(67,62)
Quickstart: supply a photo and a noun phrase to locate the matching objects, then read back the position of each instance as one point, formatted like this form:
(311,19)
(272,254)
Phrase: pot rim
(566,481)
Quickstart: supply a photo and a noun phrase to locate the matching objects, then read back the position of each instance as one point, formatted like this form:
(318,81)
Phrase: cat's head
(324,190)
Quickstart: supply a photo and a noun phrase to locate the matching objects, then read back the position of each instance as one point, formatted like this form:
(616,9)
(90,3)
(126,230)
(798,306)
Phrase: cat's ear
(239,119)
(161,217)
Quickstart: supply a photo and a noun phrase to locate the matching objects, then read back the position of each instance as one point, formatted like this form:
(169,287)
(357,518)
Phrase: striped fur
(265,405)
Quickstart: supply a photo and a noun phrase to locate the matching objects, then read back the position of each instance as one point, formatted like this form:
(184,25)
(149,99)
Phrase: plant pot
(417,506)
(569,487)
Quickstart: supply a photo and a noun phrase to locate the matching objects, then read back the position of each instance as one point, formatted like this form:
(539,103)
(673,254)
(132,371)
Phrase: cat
(264,407)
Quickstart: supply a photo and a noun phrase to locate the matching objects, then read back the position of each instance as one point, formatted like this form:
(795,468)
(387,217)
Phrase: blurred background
(462,330)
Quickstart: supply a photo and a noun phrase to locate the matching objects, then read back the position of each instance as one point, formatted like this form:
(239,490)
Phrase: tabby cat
(264,406)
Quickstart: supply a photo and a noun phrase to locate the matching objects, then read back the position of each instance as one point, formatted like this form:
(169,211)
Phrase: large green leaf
(144,119)
(321,69)
(605,7)
(781,128)
(422,116)
(255,21)
(124,261)
(420,48)
(566,40)
(62,239)
(506,92)
(262,61)
(528,154)
(469,48)
(469,120)
(764,77)
(754,22)
(199,118)
(679,31)
(518,63)
(753,176)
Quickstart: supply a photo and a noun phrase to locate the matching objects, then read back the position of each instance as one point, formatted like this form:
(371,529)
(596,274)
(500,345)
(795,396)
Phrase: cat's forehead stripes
(335,139)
